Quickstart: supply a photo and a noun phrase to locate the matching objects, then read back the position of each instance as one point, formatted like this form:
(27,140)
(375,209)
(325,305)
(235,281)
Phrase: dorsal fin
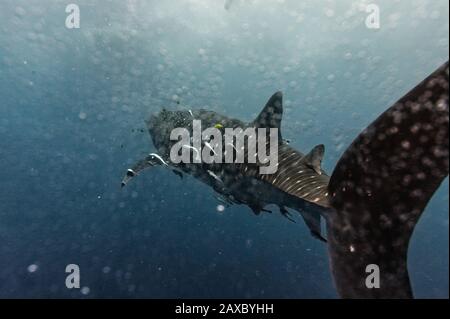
(271,115)
(314,158)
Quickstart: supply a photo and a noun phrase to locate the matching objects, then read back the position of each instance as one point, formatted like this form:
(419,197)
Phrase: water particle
(85,290)
(20,11)
(329,13)
(32,268)
(406,144)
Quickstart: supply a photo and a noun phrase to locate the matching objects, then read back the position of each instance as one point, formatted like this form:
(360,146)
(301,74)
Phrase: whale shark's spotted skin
(382,184)
(374,197)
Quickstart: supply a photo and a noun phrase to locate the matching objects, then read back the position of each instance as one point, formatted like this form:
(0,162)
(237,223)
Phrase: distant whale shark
(373,199)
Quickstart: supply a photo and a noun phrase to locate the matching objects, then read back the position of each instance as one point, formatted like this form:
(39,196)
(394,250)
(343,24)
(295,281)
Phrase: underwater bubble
(163,51)
(34,171)
(20,11)
(85,290)
(406,144)
(82,115)
(361,54)
(355,116)
(339,147)
(32,268)
(220,208)
(329,13)
(435,15)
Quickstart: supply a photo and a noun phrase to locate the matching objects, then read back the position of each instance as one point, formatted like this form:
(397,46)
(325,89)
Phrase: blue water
(73,103)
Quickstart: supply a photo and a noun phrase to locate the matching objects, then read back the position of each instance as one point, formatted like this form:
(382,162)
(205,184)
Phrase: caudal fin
(380,187)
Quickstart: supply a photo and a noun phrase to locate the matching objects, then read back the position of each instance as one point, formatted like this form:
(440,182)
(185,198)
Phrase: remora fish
(374,198)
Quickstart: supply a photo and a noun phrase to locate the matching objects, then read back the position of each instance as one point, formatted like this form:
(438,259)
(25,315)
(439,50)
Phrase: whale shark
(299,182)
(370,203)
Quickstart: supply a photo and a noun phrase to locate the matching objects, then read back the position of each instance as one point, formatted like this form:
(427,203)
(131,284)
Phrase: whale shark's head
(161,124)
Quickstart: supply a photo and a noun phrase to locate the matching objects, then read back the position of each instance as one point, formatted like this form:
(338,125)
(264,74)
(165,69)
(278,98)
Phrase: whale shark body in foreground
(372,201)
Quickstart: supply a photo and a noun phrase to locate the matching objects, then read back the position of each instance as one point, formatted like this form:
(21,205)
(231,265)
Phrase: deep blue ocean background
(72,109)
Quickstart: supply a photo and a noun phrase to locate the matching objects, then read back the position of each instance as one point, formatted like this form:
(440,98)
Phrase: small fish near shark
(370,203)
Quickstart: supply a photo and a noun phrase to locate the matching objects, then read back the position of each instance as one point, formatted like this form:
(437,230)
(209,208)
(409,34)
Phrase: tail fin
(381,185)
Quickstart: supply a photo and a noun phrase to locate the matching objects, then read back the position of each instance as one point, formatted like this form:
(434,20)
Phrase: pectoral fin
(147,162)
(312,220)
(178,173)
(286,213)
